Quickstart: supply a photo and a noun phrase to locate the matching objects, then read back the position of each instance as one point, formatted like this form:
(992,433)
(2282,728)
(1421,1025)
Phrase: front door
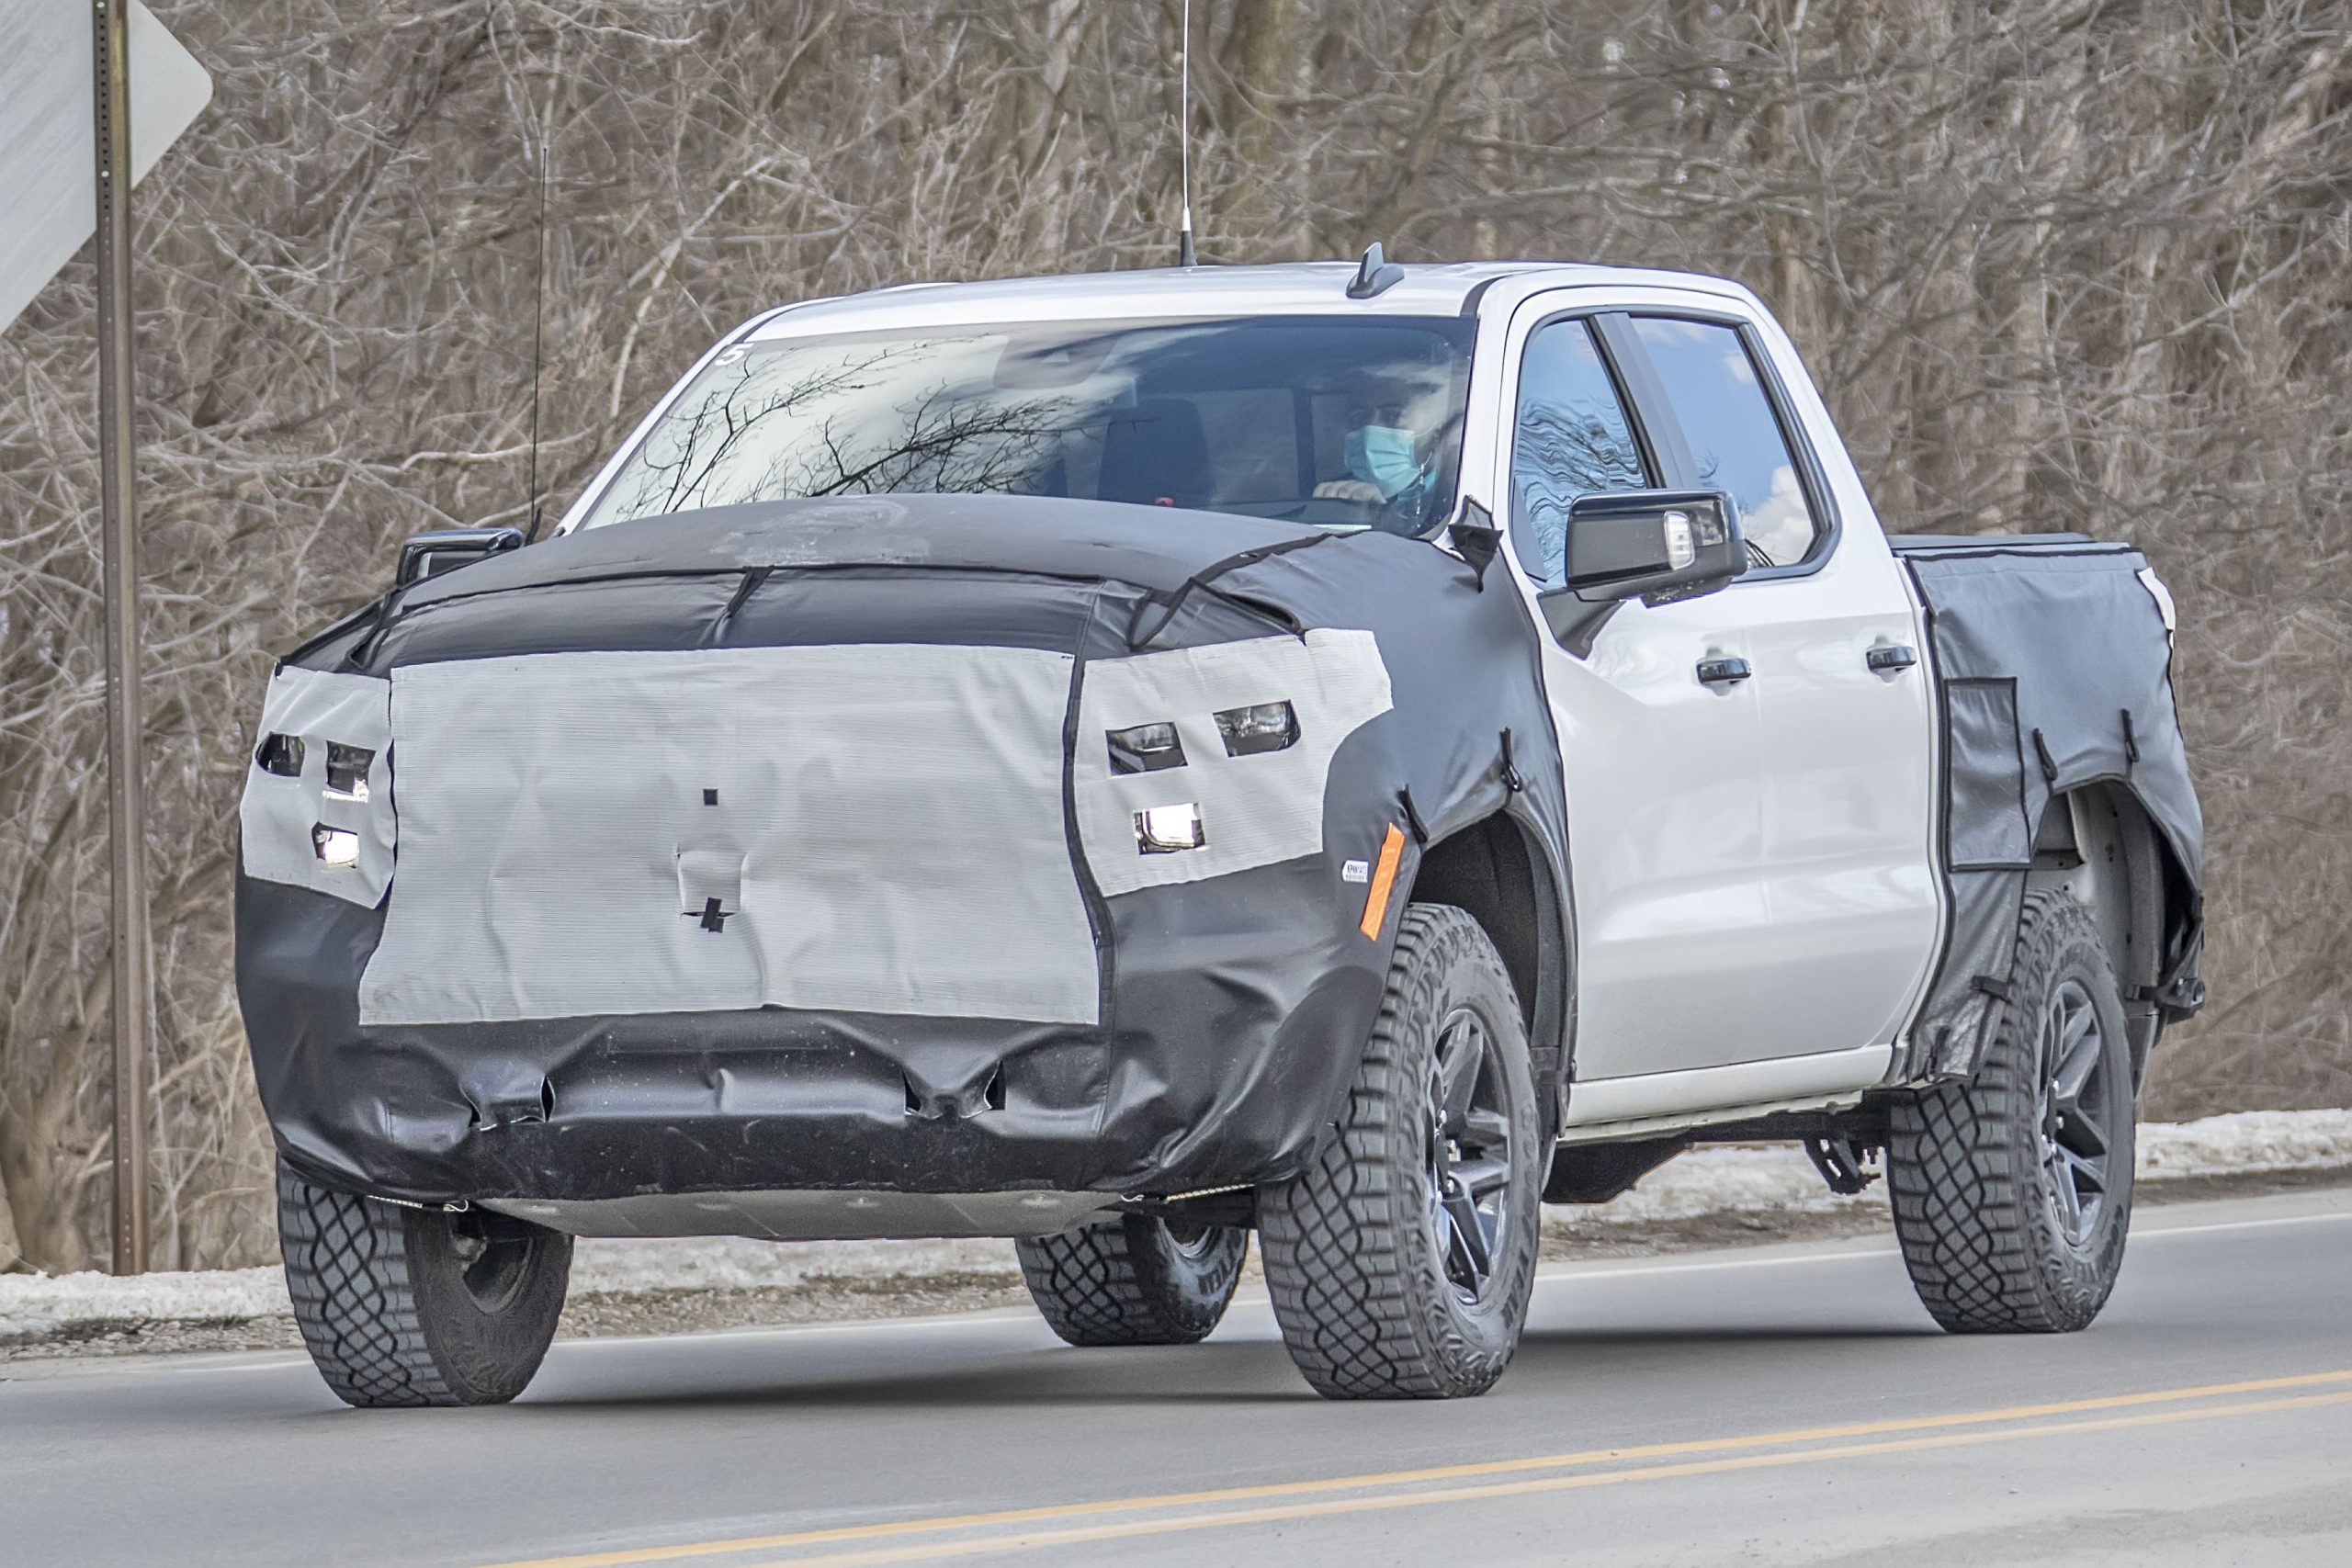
(1666,825)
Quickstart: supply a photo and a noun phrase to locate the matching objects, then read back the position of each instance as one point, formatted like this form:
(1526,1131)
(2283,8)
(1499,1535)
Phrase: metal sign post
(126,721)
(48,211)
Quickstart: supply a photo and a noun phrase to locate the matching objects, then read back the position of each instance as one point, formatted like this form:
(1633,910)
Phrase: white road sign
(49,193)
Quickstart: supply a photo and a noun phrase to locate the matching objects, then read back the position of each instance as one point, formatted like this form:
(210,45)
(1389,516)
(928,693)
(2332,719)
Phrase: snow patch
(1731,1180)
(717,1263)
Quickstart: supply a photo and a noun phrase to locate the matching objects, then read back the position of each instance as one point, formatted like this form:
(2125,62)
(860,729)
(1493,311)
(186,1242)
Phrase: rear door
(1843,789)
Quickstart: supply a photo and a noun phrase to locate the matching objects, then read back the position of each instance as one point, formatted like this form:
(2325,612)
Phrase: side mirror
(1656,546)
(446,549)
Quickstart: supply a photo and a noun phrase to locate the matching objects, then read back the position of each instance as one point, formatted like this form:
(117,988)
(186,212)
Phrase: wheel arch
(1497,871)
(2097,842)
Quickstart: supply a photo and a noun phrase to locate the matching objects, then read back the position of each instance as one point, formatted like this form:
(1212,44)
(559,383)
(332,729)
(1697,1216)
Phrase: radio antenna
(538,319)
(1184,256)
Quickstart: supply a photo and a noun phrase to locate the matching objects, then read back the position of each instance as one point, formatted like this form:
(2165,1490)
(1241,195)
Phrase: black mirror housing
(1653,545)
(1656,546)
(446,549)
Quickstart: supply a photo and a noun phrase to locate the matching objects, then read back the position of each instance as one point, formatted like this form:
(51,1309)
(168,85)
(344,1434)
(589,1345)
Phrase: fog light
(1164,829)
(1267,726)
(335,847)
(1146,749)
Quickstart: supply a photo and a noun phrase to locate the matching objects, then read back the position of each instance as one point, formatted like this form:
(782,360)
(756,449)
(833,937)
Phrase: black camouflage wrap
(1236,1007)
(2053,670)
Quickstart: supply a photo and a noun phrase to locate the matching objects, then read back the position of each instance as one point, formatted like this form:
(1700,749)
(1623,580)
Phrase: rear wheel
(1401,1260)
(1136,1280)
(2012,1191)
(418,1306)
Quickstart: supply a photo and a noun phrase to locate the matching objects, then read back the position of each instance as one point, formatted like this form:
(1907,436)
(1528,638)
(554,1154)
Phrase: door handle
(1887,661)
(1723,672)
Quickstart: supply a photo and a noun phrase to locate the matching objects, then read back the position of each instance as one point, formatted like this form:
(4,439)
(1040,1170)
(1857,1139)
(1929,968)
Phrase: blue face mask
(1382,456)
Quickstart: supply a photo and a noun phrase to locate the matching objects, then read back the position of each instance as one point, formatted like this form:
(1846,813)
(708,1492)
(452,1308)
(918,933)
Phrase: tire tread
(1340,1266)
(346,1270)
(1095,1287)
(1967,1215)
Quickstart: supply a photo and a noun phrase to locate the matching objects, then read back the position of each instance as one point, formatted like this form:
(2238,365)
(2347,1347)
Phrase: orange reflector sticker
(1384,882)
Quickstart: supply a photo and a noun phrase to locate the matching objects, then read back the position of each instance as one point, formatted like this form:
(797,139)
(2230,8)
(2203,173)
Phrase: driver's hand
(1360,490)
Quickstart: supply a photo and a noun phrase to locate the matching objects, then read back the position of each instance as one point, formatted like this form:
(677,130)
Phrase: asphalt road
(1776,1406)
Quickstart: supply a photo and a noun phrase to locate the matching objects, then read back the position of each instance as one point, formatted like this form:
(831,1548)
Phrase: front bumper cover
(776,1099)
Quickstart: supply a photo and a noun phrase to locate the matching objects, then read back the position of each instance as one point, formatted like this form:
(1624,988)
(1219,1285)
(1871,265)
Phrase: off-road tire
(1135,1279)
(1981,1231)
(1352,1256)
(381,1296)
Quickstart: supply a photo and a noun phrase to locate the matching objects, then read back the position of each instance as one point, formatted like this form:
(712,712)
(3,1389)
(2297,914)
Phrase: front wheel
(401,1306)
(1136,1280)
(2012,1191)
(1400,1261)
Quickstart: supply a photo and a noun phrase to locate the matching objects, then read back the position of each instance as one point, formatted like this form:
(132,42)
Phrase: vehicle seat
(1155,454)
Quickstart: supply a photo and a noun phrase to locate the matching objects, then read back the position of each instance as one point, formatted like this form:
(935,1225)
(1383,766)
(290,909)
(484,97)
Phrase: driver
(1391,466)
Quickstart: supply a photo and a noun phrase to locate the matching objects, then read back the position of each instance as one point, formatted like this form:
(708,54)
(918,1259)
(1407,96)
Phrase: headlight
(280,754)
(1146,749)
(1265,727)
(347,771)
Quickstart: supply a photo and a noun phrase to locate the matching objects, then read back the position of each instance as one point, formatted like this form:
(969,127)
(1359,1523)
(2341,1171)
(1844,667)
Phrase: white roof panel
(1291,288)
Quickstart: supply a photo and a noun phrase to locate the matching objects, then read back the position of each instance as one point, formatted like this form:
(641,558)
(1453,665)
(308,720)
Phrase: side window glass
(1572,439)
(1736,443)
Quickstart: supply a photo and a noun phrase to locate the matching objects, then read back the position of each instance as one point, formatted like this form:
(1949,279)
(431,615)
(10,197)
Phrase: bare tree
(2057,264)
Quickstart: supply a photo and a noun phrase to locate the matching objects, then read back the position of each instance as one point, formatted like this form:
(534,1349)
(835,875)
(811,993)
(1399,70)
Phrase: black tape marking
(1412,817)
(1173,599)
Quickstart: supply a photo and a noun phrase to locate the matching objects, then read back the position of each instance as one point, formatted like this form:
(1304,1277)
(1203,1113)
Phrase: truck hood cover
(1153,547)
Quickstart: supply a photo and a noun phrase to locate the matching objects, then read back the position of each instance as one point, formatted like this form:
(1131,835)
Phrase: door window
(1736,444)
(1572,439)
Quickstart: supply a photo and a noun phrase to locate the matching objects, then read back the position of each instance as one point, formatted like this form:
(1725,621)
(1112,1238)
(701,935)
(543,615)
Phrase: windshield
(1343,424)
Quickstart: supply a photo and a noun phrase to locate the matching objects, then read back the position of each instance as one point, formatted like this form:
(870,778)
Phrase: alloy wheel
(1469,1151)
(2075,1142)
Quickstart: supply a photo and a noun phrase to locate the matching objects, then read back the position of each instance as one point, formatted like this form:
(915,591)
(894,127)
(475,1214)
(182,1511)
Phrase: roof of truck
(1293,287)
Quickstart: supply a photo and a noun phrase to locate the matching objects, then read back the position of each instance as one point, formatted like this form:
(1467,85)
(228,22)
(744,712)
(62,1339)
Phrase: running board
(1606,1110)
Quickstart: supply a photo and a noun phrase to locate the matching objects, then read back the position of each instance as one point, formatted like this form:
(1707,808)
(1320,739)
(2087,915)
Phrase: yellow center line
(1409,1477)
(934,1551)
